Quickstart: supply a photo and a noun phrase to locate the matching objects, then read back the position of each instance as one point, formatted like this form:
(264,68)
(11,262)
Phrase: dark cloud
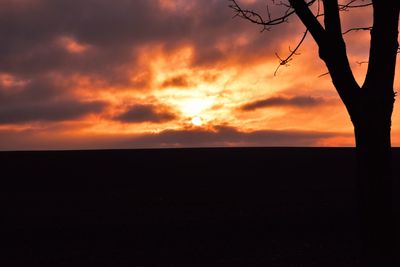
(60,110)
(43,99)
(225,136)
(30,31)
(29,35)
(177,81)
(279,101)
(145,113)
(218,137)
(40,89)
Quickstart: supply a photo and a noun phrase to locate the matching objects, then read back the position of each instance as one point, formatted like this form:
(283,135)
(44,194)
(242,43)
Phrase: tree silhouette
(369,106)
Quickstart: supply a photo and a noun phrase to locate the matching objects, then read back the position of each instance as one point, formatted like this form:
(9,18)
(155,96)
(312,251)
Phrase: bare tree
(369,106)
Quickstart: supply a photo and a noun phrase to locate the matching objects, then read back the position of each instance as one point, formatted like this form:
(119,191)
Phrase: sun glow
(193,107)
(197,121)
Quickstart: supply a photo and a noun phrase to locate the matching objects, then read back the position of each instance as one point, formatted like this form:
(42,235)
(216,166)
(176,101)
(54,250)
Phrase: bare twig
(353,4)
(258,19)
(357,29)
(268,21)
(362,62)
(285,61)
(323,74)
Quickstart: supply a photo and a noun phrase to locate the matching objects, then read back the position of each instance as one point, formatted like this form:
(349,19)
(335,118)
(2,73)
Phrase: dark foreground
(189,207)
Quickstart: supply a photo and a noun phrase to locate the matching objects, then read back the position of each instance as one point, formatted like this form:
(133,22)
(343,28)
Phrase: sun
(197,121)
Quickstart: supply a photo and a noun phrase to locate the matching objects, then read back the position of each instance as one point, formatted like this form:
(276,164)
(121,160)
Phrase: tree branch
(357,29)
(332,50)
(350,5)
(384,47)
(309,20)
(256,18)
(285,61)
(332,19)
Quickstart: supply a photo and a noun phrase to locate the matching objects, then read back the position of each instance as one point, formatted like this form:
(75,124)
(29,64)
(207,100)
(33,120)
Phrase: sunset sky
(100,74)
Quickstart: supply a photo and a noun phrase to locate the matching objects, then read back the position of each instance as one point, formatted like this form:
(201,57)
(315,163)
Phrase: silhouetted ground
(180,207)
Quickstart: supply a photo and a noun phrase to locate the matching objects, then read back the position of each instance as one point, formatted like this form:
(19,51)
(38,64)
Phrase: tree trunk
(370,108)
(375,181)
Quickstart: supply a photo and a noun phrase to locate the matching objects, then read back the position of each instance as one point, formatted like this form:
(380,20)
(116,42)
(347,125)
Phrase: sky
(104,74)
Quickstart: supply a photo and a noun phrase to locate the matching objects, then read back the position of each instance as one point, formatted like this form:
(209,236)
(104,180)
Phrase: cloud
(63,67)
(180,81)
(222,136)
(279,101)
(109,34)
(145,113)
(219,136)
(105,42)
(45,98)
(54,111)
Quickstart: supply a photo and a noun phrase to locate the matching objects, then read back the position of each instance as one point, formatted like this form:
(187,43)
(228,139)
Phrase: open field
(181,207)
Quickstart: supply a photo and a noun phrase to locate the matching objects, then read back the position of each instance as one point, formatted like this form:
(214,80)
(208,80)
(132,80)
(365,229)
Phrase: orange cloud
(165,73)
(72,45)
(145,114)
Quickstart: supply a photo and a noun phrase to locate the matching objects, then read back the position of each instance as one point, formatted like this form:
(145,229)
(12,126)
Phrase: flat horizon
(191,148)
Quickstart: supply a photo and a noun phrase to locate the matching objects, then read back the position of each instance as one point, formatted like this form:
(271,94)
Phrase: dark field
(183,207)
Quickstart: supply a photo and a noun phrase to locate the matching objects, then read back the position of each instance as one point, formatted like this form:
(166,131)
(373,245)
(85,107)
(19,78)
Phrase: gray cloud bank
(43,99)
(114,29)
(50,111)
(297,101)
(221,136)
(145,113)
(226,136)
